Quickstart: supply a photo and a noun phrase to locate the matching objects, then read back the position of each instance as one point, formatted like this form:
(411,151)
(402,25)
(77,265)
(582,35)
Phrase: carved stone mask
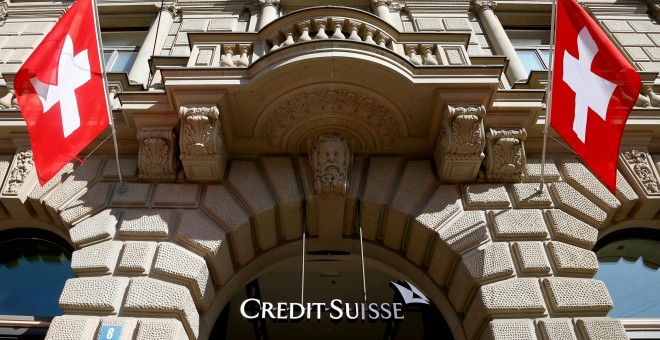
(331,157)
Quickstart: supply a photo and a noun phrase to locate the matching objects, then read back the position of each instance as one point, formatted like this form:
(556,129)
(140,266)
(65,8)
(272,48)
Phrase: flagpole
(548,96)
(105,92)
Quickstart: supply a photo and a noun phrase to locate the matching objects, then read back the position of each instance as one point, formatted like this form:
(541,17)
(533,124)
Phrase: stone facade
(403,122)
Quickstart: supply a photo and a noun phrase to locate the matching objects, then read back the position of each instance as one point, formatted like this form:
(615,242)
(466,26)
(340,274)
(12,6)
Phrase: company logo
(410,294)
(253,308)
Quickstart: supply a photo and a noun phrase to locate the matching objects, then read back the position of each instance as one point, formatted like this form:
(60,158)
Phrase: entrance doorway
(329,276)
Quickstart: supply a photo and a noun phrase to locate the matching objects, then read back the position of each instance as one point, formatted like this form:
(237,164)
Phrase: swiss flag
(61,92)
(593,90)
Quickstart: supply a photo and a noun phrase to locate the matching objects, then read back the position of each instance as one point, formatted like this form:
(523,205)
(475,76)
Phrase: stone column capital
(479,6)
(264,3)
(381,2)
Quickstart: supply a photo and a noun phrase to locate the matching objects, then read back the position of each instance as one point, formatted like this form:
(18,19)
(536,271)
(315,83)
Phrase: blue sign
(110,332)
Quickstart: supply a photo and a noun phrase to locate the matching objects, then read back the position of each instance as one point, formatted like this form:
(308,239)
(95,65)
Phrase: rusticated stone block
(485,196)
(72,327)
(533,167)
(416,183)
(220,204)
(96,259)
(444,204)
(626,195)
(129,170)
(151,296)
(381,177)
(95,199)
(571,260)
(573,202)
(510,298)
(489,263)
(509,329)
(571,230)
(573,296)
(93,294)
(307,181)
(197,232)
(77,181)
(128,326)
(136,257)
(135,195)
(146,223)
(282,179)
(585,182)
(38,192)
(177,195)
(600,329)
(518,224)
(528,195)
(157,329)
(467,232)
(556,329)
(441,262)
(180,265)
(98,227)
(248,184)
(531,257)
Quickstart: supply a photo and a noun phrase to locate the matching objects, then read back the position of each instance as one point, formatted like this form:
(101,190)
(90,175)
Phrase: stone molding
(460,147)
(203,153)
(506,155)
(156,160)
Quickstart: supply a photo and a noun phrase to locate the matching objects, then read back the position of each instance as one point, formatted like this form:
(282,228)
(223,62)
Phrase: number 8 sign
(110,332)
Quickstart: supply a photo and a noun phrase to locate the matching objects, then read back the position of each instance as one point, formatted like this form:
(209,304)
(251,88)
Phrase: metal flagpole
(548,96)
(105,92)
(364,280)
(304,236)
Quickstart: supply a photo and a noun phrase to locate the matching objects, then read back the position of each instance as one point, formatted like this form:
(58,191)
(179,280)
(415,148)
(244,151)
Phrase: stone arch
(167,254)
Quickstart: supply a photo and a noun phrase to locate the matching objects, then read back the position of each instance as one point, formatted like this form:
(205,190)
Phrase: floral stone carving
(641,166)
(330,159)
(156,156)
(371,124)
(460,147)
(506,155)
(202,149)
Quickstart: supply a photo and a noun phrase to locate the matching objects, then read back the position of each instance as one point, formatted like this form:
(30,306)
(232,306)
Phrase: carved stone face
(330,160)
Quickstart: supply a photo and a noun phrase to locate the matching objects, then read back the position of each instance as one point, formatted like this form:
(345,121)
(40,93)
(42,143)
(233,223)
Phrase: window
(120,49)
(532,47)
(34,265)
(629,266)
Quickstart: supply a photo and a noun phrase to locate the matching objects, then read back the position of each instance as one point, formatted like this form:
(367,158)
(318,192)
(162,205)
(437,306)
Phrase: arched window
(629,262)
(34,265)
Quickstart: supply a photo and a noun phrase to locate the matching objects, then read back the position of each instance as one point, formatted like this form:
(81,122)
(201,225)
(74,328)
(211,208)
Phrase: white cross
(591,90)
(72,72)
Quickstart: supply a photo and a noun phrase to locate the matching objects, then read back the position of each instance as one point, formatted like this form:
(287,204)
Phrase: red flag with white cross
(593,90)
(61,92)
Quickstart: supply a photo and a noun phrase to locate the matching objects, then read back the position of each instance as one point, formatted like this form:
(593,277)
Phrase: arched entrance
(275,277)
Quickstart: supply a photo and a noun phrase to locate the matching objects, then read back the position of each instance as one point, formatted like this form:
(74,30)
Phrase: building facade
(261,141)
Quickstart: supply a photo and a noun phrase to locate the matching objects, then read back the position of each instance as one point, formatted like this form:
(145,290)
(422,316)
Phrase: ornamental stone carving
(330,160)
(460,148)
(21,168)
(359,117)
(156,160)
(274,3)
(506,155)
(202,150)
(641,166)
(479,6)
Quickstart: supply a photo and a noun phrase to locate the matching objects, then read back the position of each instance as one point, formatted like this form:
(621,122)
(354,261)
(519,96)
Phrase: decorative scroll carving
(372,124)
(330,159)
(641,167)
(22,166)
(156,156)
(478,6)
(460,147)
(506,155)
(273,3)
(202,149)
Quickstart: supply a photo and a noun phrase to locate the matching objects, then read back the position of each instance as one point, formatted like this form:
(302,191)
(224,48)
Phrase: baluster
(288,33)
(338,24)
(243,60)
(429,58)
(320,27)
(304,28)
(369,35)
(411,52)
(229,56)
(354,26)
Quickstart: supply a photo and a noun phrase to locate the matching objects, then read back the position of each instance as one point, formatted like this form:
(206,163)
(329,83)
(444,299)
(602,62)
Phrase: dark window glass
(33,270)
(629,268)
